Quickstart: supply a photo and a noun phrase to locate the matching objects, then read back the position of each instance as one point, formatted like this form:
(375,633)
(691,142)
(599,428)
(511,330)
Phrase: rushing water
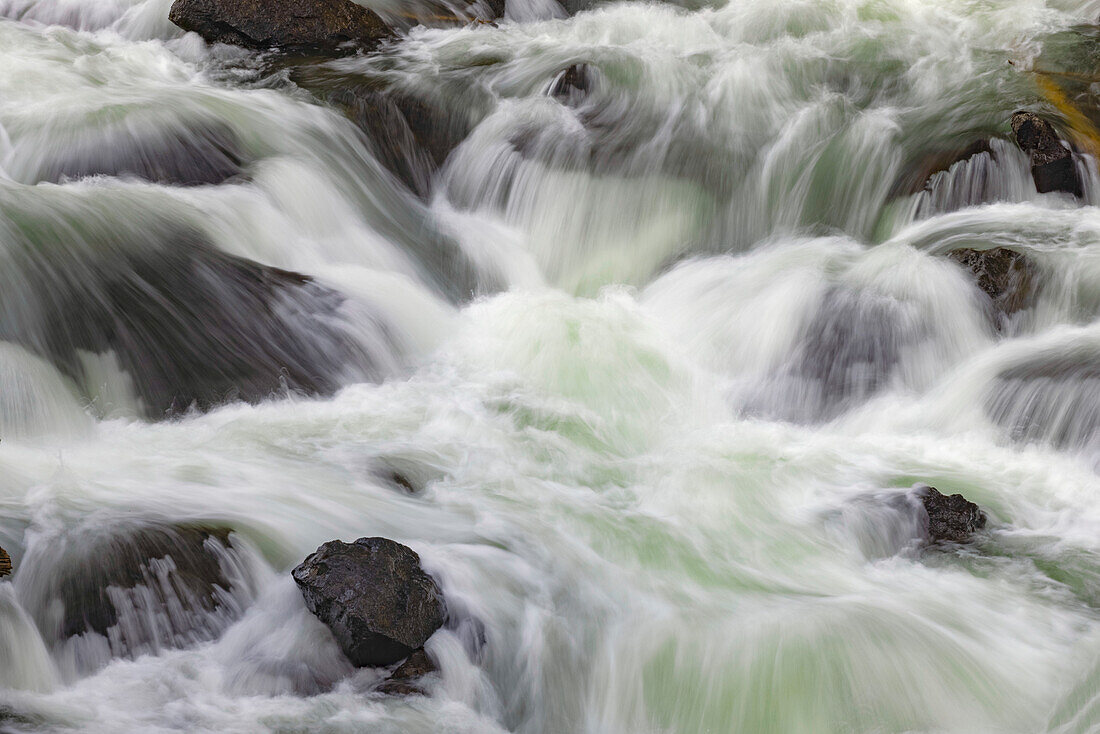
(660,361)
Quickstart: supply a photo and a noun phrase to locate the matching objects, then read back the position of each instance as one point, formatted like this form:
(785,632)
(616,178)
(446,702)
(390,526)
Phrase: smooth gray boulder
(374,596)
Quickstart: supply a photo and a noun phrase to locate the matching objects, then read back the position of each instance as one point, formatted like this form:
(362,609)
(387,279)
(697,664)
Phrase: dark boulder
(5,563)
(950,518)
(1008,277)
(374,596)
(403,680)
(322,25)
(181,153)
(1052,163)
(142,587)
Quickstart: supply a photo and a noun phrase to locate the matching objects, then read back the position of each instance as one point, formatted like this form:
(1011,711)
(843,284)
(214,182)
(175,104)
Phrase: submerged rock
(5,563)
(848,351)
(184,153)
(572,84)
(411,136)
(402,681)
(1052,396)
(322,25)
(374,596)
(950,518)
(1052,163)
(191,326)
(917,173)
(1008,277)
(143,587)
(412,128)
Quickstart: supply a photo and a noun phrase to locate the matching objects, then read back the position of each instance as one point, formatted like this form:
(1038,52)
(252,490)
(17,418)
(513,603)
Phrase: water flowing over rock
(849,349)
(1052,396)
(290,24)
(1008,277)
(189,324)
(374,596)
(951,518)
(403,680)
(185,154)
(916,173)
(1052,163)
(410,135)
(572,84)
(5,563)
(615,318)
(105,591)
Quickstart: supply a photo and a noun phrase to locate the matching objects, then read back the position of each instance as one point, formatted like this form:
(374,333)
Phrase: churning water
(659,359)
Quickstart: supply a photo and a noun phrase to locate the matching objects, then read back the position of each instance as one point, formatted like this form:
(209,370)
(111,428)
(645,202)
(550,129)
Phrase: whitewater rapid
(656,497)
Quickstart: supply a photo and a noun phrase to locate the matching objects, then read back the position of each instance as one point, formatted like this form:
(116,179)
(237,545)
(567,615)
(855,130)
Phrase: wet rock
(848,351)
(1052,163)
(411,131)
(572,84)
(402,681)
(399,480)
(1052,397)
(183,154)
(405,473)
(9,715)
(950,518)
(142,587)
(323,25)
(1008,277)
(410,136)
(917,172)
(374,596)
(5,563)
(190,325)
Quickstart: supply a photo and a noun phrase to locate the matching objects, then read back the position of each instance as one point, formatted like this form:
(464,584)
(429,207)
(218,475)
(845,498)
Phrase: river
(657,358)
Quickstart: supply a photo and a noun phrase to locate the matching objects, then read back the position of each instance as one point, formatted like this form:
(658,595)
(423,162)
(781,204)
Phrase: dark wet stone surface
(403,680)
(379,603)
(951,518)
(322,25)
(1008,277)
(1052,164)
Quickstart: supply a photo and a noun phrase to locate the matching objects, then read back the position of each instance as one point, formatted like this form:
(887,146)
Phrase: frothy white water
(646,378)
